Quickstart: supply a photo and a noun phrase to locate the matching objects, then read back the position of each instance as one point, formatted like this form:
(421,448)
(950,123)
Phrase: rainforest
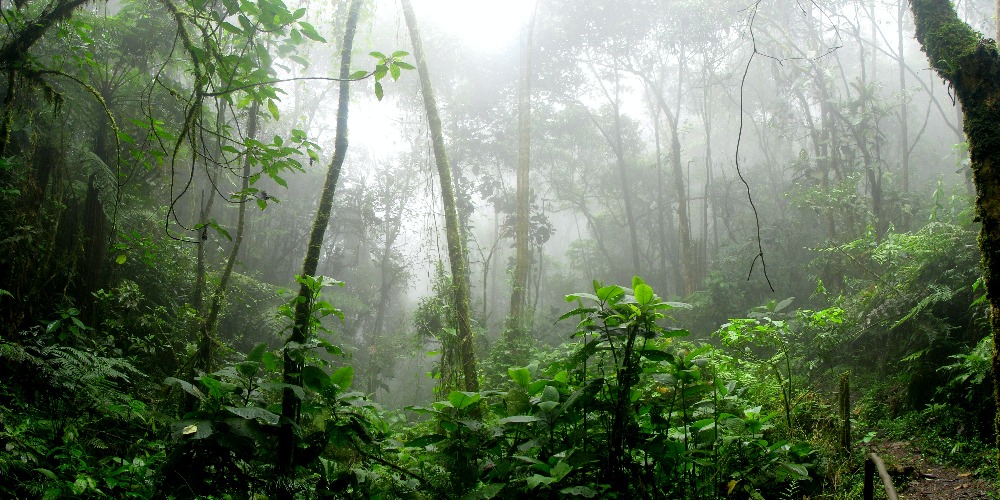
(443,249)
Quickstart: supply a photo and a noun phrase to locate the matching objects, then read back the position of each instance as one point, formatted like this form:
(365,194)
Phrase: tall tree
(971,65)
(456,251)
(290,403)
(522,260)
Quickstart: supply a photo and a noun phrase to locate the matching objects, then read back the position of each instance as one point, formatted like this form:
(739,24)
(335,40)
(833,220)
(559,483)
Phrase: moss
(972,66)
(944,37)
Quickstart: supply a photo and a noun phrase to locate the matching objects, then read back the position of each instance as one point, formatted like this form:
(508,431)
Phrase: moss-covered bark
(456,250)
(970,64)
(290,403)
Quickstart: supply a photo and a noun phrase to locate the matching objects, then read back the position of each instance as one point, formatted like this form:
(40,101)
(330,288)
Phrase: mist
(685,218)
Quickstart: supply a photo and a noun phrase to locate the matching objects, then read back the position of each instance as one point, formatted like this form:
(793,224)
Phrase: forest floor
(917,477)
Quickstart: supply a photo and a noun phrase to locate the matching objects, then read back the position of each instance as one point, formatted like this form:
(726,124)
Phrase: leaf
(643,294)
(120,259)
(657,355)
(379,93)
(257,353)
(462,399)
(246,24)
(610,293)
(357,75)
(192,429)
(273,108)
(518,419)
(399,53)
(548,406)
(404,65)
(310,32)
(577,311)
(254,413)
(550,394)
(560,470)
(577,296)
(520,376)
(343,377)
(314,378)
(798,470)
(537,479)
(185,386)
(47,473)
(378,55)
(394,71)
(232,28)
(783,304)
(579,491)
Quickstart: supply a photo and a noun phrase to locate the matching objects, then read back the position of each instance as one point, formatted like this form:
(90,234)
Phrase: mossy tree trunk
(14,58)
(971,65)
(456,252)
(292,371)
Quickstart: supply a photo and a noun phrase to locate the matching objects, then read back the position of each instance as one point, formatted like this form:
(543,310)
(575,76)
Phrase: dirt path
(917,478)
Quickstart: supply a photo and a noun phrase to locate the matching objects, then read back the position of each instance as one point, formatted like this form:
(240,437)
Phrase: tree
(518,329)
(290,403)
(970,63)
(456,250)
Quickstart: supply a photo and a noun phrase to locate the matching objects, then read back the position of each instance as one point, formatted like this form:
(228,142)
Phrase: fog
(807,99)
(483,249)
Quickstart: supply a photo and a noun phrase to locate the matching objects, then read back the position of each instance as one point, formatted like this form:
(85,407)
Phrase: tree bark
(292,371)
(971,65)
(904,132)
(15,50)
(456,252)
(522,260)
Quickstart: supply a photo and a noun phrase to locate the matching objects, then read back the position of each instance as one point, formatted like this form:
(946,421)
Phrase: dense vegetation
(683,250)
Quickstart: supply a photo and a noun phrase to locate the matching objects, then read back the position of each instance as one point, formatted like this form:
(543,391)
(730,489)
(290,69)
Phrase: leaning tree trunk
(292,372)
(456,253)
(971,65)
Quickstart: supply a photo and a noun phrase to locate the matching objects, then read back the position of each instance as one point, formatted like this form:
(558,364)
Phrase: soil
(917,478)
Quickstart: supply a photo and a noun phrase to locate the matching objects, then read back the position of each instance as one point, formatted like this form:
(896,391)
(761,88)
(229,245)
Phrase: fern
(791,491)
(938,294)
(94,379)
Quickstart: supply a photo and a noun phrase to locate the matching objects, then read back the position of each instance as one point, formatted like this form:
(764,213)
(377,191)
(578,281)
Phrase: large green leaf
(461,399)
(520,376)
(643,294)
(314,377)
(253,412)
(343,377)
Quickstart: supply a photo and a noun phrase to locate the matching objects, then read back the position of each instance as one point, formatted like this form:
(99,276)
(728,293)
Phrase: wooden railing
(874,463)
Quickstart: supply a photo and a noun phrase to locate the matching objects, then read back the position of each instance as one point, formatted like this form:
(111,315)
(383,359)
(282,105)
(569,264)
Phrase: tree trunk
(522,260)
(663,217)
(292,371)
(904,131)
(204,360)
(456,252)
(971,65)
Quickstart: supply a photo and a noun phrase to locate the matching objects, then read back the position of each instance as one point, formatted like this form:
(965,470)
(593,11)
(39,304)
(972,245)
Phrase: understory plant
(625,410)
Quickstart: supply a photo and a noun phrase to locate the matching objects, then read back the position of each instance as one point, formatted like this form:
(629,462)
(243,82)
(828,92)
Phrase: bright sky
(482,24)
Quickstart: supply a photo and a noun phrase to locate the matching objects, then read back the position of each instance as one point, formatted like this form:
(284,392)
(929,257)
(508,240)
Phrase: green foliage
(391,65)
(71,427)
(623,411)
